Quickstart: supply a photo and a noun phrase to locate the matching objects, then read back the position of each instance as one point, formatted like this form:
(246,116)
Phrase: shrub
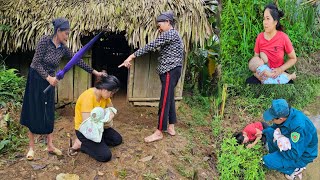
(12,134)
(237,162)
(11,86)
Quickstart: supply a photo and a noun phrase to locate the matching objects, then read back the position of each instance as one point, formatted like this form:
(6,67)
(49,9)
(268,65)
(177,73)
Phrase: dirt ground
(170,158)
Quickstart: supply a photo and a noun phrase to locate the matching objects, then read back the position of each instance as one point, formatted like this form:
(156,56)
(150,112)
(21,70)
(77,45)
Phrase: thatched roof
(28,20)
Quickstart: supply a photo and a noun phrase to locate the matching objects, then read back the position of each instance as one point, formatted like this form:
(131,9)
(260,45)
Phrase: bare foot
(171,130)
(77,144)
(154,137)
(293,76)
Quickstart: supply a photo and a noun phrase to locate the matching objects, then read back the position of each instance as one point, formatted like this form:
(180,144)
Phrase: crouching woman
(98,96)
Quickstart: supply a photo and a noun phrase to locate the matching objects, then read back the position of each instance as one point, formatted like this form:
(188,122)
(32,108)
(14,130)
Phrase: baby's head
(254,63)
(97,113)
(241,137)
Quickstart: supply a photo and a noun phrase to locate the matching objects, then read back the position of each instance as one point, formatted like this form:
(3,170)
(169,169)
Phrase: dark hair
(110,83)
(239,137)
(276,15)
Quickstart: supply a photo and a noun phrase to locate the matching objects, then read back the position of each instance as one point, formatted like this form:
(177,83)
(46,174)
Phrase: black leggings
(254,80)
(100,151)
(264,126)
(167,108)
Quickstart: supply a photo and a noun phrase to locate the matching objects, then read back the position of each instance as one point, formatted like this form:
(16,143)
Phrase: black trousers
(264,139)
(100,151)
(167,107)
(253,80)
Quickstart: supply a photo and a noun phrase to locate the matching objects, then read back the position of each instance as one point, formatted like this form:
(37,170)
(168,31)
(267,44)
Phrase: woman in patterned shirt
(38,108)
(169,69)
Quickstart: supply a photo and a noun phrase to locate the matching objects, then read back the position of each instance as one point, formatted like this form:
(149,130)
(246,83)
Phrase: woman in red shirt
(272,44)
(251,133)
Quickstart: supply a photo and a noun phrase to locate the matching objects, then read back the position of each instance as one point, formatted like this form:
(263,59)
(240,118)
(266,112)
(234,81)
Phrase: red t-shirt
(274,48)
(250,129)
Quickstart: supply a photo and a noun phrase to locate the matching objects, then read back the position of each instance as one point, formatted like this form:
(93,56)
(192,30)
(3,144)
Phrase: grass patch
(184,171)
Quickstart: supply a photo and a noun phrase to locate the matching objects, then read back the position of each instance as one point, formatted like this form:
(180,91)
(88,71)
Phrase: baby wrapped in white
(93,127)
(282,141)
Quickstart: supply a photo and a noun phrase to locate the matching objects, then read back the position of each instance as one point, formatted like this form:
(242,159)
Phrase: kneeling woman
(99,96)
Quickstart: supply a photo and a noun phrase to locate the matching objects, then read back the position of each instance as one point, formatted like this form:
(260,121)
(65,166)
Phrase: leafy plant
(237,162)
(14,138)
(123,174)
(10,86)
(12,134)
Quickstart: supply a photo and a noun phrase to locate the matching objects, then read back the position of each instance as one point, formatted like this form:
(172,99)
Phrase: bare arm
(110,104)
(85,115)
(258,137)
(164,38)
(291,61)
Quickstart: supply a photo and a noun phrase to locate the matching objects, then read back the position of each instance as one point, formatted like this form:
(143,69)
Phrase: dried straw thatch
(28,20)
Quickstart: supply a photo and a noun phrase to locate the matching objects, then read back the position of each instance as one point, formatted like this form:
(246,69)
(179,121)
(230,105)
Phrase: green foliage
(198,101)
(11,86)
(198,78)
(200,75)
(183,171)
(300,25)
(12,134)
(123,174)
(12,139)
(237,162)
(216,126)
(241,22)
(255,99)
(200,109)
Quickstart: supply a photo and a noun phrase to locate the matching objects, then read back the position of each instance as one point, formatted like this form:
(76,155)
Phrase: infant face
(254,63)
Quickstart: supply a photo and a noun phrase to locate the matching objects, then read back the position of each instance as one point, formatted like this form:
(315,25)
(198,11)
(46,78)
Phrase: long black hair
(276,15)
(110,83)
(239,137)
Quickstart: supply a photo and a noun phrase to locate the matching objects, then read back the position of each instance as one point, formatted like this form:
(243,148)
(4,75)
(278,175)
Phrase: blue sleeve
(297,147)
(268,132)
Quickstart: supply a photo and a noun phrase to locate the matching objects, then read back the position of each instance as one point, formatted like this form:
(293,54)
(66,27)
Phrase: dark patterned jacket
(47,57)
(171,50)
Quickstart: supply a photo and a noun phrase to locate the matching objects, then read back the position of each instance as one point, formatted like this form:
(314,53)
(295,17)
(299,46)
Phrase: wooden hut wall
(75,81)
(144,86)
